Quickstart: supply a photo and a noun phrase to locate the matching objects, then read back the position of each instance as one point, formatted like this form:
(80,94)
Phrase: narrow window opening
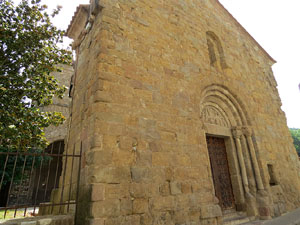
(215,49)
(273,181)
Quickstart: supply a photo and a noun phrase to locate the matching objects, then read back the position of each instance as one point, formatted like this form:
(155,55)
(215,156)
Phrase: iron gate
(27,180)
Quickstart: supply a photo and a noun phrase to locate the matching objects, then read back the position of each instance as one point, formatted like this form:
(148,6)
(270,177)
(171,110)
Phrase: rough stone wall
(54,133)
(20,194)
(141,71)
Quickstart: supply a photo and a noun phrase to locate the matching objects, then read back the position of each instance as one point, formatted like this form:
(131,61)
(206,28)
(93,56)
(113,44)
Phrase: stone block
(140,174)
(158,174)
(162,159)
(116,191)
(180,217)
(109,117)
(146,219)
(164,189)
(97,141)
(132,220)
(163,218)
(123,220)
(141,190)
(163,203)
(102,96)
(113,221)
(155,146)
(195,216)
(186,188)
(182,160)
(47,221)
(99,158)
(106,208)
(264,212)
(97,86)
(126,206)
(144,158)
(210,211)
(112,174)
(211,221)
(98,192)
(110,141)
(29,223)
(169,173)
(126,143)
(124,157)
(183,203)
(175,188)
(195,201)
(140,206)
(145,122)
(96,221)
(116,129)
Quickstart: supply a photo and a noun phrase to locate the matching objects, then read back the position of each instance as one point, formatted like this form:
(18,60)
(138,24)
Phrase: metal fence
(28,180)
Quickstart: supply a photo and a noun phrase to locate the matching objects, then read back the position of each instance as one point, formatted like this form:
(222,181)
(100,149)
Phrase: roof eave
(78,22)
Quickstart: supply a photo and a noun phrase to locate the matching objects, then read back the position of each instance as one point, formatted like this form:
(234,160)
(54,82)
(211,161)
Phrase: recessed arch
(228,103)
(236,133)
(215,49)
(47,175)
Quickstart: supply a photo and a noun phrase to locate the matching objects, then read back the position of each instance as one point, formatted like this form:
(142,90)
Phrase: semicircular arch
(227,104)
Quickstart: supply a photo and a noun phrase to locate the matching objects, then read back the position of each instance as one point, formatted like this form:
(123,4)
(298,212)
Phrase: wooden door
(220,172)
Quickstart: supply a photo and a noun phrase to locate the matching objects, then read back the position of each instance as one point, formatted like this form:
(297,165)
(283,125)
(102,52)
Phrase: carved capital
(237,132)
(247,131)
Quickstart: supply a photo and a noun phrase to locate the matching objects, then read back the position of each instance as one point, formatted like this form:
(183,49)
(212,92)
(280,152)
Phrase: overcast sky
(273,23)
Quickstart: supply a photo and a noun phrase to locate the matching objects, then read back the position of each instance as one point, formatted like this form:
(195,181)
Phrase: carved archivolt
(226,103)
(212,115)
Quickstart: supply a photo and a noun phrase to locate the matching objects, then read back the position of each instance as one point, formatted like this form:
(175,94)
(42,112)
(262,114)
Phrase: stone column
(237,134)
(248,133)
(249,166)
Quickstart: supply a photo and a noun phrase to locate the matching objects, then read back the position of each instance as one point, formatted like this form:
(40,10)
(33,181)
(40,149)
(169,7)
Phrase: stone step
(236,218)
(233,214)
(255,222)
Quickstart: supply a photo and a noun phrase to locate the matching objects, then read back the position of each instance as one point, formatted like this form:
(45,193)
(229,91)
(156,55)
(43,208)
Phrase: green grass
(10,214)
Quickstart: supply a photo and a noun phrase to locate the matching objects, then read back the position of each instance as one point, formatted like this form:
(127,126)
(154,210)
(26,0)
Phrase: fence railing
(39,182)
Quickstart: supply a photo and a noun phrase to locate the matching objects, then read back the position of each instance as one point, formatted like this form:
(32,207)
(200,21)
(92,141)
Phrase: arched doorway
(235,171)
(46,177)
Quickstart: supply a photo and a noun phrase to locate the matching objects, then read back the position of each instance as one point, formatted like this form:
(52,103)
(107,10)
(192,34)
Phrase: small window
(273,181)
(215,50)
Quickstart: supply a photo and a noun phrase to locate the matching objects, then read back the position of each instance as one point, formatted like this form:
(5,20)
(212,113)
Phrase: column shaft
(258,179)
(242,164)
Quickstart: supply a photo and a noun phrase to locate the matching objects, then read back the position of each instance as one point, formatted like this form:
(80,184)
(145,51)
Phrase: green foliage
(22,162)
(296,137)
(29,52)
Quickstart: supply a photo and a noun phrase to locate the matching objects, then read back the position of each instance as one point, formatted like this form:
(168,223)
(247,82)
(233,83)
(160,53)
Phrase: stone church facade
(177,114)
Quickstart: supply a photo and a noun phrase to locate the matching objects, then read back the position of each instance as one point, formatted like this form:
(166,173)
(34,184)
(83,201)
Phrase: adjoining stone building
(59,133)
(176,110)
(56,136)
